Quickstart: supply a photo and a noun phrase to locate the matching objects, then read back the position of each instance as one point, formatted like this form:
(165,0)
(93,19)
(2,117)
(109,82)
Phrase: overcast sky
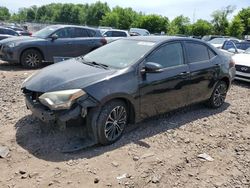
(194,9)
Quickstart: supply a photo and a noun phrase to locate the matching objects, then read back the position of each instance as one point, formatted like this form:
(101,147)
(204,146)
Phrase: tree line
(100,14)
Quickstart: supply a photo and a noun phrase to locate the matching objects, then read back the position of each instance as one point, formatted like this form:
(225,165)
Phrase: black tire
(111,122)
(31,59)
(218,96)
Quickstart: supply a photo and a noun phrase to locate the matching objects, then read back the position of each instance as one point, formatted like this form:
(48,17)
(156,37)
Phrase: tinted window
(79,32)
(92,33)
(196,52)
(211,53)
(108,34)
(10,32)
(65,33)
(168,55)
(1,31)
(118,34)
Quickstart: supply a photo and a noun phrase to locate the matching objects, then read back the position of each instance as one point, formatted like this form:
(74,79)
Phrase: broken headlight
(60,100)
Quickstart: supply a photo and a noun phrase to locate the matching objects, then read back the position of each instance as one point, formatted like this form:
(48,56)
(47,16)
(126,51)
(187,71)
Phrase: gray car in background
(49,43)
(7,33)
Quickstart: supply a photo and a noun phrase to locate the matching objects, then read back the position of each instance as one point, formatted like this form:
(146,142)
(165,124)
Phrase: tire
(218,96)
(31,59)
(111,122)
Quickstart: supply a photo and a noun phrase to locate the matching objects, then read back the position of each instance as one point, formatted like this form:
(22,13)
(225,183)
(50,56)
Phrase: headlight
(60,100)
(11,45)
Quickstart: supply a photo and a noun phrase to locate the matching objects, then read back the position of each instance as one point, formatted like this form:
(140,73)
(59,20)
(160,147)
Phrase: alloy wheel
(32,59)
(220,94)
(115,123)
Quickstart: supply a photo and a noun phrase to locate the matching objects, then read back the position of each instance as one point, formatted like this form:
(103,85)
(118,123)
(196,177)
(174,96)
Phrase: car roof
(117,30)
(160,39)
(78,26)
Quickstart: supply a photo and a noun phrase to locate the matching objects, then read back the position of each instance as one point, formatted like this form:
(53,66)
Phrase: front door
(166,90)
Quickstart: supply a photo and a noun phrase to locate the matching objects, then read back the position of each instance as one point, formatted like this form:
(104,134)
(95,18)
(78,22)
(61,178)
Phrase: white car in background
(115,34)
(242,65)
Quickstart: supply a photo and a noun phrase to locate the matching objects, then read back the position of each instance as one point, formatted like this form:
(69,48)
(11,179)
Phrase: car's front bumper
(242,76)
(50,116)
(8,54)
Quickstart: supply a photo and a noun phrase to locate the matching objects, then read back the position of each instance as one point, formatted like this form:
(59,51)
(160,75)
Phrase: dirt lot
(160,152)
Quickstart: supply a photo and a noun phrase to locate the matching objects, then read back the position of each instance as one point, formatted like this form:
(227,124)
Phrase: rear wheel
(111,122)
(219,95)
(31,59)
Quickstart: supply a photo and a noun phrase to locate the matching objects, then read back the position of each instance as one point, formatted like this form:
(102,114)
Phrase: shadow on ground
(47,146)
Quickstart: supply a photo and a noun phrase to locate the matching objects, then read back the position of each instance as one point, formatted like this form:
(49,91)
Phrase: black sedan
(129,80)
(50,43)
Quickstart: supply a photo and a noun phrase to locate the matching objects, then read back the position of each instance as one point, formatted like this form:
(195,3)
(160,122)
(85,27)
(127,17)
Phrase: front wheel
(31,59)
(219,95)
(111,122)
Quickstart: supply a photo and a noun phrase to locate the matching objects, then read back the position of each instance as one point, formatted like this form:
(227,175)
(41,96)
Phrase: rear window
(196,52)
(118,34)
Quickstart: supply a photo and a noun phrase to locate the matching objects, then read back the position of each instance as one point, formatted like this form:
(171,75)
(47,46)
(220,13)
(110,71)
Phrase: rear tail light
(231,63)
(30,33)
(103,41)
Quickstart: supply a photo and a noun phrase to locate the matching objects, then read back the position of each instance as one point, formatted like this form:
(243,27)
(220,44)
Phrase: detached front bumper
(49,116)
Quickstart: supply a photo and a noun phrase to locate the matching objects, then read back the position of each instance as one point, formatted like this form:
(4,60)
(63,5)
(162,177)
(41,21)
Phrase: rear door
(82,42)
(166,90)
(204,66)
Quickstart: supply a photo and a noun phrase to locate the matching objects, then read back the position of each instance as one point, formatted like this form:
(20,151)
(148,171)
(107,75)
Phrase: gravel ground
(160,152)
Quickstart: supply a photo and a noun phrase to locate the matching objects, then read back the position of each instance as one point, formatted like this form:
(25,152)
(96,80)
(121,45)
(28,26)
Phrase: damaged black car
(129,80)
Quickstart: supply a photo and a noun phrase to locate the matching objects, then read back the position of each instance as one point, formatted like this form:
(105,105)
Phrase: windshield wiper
(93,63)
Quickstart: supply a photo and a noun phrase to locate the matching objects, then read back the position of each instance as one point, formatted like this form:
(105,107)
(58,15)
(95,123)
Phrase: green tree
(95,13)
(121,18)
(244,16)
(179,25)
(220,19)
(236,27)
(4,14)
(68,13)
(201,28)
(153,23)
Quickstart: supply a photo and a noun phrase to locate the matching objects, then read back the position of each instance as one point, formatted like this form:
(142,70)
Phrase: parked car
(141,32)
(20,31)
(210,37)
(115,34)
(243,45)
(50,42)
(7,33)
(242,65)
(218,42)
(128,80)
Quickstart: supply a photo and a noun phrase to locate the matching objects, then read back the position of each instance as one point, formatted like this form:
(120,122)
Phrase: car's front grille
(242,68)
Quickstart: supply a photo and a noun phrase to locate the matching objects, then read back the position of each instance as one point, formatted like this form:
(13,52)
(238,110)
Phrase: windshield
(46,32)
(218,41)
(120,54)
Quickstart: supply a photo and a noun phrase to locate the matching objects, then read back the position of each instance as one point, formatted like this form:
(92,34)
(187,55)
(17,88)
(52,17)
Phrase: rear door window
(118,34)
(196,52)
(79,32)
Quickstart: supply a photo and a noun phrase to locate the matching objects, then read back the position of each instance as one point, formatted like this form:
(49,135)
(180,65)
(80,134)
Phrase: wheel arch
(130,104)
(31,48)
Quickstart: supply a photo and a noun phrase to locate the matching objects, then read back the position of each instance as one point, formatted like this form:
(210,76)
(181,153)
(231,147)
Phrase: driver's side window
(64,33)
(168,55)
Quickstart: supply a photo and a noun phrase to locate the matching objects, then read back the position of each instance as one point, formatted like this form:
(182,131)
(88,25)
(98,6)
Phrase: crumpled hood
(20,39)
(70,74)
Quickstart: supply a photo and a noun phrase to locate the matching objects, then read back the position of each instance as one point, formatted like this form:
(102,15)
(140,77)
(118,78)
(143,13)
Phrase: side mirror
(151,67)
(232,50)
(54,37)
